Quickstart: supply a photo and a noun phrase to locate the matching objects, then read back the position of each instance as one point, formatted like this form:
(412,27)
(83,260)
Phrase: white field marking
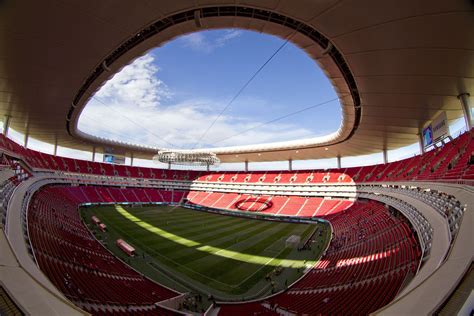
(256,259)
(198,273)
(269,260)
(266,263)
(177,263)
(262,266)
(245,242)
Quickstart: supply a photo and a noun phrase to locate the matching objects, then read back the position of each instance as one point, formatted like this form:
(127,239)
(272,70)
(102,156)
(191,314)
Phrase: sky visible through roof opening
(170,96)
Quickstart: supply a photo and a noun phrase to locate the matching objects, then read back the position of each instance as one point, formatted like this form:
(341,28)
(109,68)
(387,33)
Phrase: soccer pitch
(229,257)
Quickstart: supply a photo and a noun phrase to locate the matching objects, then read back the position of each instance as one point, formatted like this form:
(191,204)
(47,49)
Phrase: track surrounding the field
(231,255)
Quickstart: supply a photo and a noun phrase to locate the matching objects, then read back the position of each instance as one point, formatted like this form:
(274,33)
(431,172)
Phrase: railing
(418,221)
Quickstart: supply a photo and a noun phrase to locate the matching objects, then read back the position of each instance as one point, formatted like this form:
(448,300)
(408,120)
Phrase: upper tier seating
(452,161)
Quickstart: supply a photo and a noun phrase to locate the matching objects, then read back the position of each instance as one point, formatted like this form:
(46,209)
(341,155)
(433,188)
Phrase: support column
(290,164)
(339,162)
(93,153)
(131,159)
(25,140)
(6,125)
(466,108)
(208,168)
(55,153)
(385,156)
(169,165)
(246,166)
(420,141)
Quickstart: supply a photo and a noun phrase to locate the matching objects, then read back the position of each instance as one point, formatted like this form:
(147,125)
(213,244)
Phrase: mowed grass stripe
(251,244)
(183,241)
(191,228)
(213,237)
(203,246)
(246,242)
(145,235)
(219,271)
(196,275)
(234,276)
(192,220)
(176,217)
(195,224)
(223,239)
(206,236)
(174,251)
(188,272)
(172,214)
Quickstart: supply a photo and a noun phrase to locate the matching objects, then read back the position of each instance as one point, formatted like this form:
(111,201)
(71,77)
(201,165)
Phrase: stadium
(265,218)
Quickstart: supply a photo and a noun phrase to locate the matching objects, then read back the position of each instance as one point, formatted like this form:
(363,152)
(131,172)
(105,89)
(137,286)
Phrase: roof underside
(405,61)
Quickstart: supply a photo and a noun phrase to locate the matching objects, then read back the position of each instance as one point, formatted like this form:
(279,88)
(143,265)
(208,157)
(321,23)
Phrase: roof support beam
(26,137)
(385,156)
(131,159)
(246,166)
(197,18)
(6,125)
(339,162)
(420,141)
(290,164)
(55,152)
(93,153)
(466,108)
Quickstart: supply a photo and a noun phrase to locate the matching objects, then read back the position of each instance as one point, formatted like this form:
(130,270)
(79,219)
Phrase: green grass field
(229,257)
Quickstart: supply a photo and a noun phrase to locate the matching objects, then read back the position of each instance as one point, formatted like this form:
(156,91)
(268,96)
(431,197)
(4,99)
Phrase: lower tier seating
(281,205)
(75,262)
(372,251)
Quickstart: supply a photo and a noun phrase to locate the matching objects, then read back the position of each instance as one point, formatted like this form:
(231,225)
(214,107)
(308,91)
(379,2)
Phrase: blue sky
(171,95)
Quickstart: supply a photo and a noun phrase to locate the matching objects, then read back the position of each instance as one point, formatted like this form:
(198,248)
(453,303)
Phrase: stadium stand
(77,263)
(371,252)
(68,254)
(450,162)
(374,249)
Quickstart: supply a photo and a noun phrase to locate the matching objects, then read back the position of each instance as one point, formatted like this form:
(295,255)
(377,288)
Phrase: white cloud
(180,125)
(136,84)
(129,108)
(200,42)
(228,36)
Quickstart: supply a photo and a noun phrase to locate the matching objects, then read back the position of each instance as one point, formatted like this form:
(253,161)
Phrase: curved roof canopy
(394,65)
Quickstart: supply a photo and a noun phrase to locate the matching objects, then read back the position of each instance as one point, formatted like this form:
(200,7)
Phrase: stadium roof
(395,65)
